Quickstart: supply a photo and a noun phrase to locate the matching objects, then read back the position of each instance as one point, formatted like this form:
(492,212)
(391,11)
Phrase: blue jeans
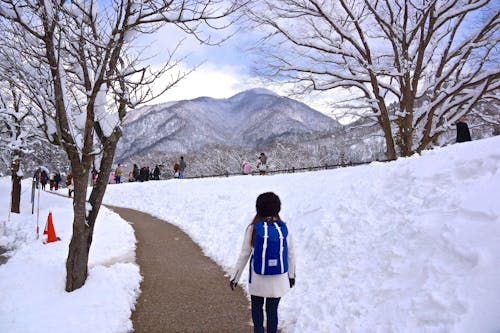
(181,174)
(271,314)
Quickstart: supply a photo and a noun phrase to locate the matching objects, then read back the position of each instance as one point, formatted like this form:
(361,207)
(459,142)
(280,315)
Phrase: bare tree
(433,60)
(17,135)
(76,63)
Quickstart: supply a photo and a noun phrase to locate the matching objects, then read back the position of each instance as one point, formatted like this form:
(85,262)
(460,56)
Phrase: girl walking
(269,246)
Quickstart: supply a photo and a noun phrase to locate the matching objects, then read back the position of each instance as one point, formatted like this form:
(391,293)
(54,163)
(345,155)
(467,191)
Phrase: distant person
(463,133)
(57,180)
(182,167)
(176,170)
(118,174)
(246,167)
(136,173)
(269,279)
(70,184)
(262,164)
(112,178)
(37,176)
(43,179)
(156,173)
(143,174)
(52,181)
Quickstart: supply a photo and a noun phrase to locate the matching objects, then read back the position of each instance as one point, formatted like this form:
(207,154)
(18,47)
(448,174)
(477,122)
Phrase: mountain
(249,119)
(215,135)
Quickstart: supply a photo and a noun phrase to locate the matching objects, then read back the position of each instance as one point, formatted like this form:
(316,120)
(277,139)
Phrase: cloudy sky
(223,71)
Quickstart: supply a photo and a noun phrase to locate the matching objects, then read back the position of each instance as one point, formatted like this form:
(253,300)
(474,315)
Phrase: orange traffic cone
(50,231)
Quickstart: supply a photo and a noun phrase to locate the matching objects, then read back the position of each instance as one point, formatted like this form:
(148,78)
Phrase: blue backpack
(270,254)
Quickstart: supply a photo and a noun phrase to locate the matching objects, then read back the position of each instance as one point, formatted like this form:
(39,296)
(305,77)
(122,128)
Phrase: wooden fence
(292,170)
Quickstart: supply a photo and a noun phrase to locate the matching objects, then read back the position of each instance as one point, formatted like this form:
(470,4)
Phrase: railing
(292,170)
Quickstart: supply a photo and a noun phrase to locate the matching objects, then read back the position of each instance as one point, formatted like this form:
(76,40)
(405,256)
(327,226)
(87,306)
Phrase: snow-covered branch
(436,60)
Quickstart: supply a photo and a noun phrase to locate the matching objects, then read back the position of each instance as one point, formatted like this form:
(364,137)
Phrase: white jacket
(264,285)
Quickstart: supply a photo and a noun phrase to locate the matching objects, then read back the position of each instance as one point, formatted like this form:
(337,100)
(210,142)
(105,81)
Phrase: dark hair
(268,205)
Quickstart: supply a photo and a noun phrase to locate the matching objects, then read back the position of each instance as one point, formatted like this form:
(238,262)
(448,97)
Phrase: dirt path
(183,290)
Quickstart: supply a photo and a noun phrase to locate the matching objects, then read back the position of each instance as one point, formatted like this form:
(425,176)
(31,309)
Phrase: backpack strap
(264,248)
(281,246)
(250,269)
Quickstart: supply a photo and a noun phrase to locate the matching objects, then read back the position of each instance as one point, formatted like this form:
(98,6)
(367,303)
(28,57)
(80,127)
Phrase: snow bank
(408,246)
(33,280)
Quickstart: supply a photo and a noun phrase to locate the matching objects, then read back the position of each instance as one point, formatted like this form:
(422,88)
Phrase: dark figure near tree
(463,133)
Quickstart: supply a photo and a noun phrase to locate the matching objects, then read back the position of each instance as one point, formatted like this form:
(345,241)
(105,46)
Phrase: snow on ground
(407,246)
(32,281)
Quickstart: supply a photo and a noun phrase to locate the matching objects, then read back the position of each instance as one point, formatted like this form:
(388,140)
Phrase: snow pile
(32,281)
(407,246)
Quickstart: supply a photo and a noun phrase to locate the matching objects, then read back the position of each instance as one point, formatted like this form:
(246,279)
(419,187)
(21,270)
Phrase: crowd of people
(143,174)
(42,177)
(179,168)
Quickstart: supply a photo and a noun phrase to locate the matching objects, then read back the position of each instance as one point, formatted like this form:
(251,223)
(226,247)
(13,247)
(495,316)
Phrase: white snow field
(32,295)
(407,246)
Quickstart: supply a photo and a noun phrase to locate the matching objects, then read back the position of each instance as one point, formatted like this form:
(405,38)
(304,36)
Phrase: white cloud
(208,80)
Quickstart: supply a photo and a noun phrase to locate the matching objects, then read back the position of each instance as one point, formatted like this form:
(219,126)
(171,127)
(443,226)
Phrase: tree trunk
(16,194)
(390,152)
(76,264)
(385,124)
(16,186)
(84,221)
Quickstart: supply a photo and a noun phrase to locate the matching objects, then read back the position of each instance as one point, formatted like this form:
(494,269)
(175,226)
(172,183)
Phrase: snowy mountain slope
(247,119)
